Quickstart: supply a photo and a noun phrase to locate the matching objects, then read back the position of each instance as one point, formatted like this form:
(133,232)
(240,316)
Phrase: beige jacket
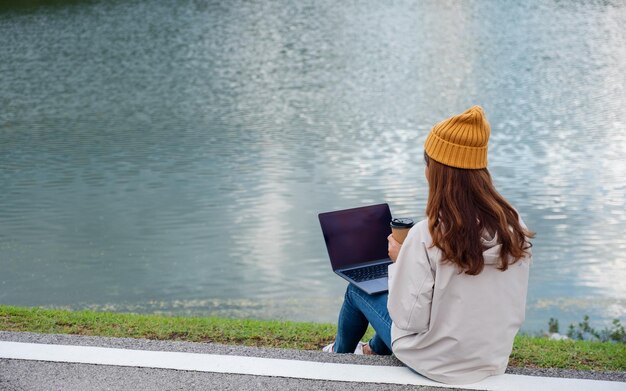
(450,327)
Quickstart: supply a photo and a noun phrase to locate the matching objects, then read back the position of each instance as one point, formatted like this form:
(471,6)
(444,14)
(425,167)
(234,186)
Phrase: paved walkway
(61,362)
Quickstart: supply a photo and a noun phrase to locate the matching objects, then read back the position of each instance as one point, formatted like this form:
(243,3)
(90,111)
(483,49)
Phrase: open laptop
(356,240)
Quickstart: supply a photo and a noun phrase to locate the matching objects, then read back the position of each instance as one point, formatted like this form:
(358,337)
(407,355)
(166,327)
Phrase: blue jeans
(359,309)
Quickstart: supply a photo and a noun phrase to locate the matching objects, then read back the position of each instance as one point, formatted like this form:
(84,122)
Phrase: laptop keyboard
(367,273)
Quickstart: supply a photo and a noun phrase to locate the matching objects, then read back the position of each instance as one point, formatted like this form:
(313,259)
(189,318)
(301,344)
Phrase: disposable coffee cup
(400,228)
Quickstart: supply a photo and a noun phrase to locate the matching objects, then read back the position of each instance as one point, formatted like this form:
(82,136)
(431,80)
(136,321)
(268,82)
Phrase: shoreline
(528,352)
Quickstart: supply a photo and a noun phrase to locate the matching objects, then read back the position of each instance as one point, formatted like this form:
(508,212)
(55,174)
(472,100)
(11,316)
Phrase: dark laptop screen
(356,235)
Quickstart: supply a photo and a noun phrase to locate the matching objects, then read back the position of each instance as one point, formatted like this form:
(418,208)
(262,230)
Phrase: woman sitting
(457,289)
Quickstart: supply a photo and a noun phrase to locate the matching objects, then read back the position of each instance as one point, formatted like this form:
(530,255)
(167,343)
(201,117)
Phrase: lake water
(172,156)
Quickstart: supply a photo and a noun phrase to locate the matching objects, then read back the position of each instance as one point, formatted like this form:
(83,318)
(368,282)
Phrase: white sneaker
(358,350)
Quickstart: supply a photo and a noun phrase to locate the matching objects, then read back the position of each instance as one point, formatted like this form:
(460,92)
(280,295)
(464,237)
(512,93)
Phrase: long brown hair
(461,205)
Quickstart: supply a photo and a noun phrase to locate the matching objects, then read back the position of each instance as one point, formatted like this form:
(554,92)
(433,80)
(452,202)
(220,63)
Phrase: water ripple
(158,155)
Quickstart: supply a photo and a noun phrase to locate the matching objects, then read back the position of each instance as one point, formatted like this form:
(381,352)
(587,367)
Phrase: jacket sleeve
(411,284)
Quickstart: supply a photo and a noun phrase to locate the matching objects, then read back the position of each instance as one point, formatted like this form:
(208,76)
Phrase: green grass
(527,351)
(584,355)
(281,334)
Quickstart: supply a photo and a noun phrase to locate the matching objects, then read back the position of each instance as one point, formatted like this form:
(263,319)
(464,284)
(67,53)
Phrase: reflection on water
(174,159)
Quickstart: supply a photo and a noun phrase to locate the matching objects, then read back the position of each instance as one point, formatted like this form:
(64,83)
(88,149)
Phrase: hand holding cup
(393,248)
(399,230)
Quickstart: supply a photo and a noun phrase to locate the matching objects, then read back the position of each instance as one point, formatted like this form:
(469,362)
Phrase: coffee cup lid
(402,222)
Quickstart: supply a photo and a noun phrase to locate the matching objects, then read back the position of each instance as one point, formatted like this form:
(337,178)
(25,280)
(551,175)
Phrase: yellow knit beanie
(460,141)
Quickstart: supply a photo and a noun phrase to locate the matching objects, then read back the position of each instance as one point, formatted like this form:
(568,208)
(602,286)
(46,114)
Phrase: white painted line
(281,368)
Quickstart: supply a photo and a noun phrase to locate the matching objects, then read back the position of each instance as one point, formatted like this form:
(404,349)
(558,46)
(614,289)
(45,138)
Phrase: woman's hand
(393,248)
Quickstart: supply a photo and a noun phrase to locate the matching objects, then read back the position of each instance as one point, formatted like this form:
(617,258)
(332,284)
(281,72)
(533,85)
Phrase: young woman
(457,287)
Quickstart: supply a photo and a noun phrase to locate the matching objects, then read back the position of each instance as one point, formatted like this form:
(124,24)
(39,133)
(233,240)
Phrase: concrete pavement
(36,375)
